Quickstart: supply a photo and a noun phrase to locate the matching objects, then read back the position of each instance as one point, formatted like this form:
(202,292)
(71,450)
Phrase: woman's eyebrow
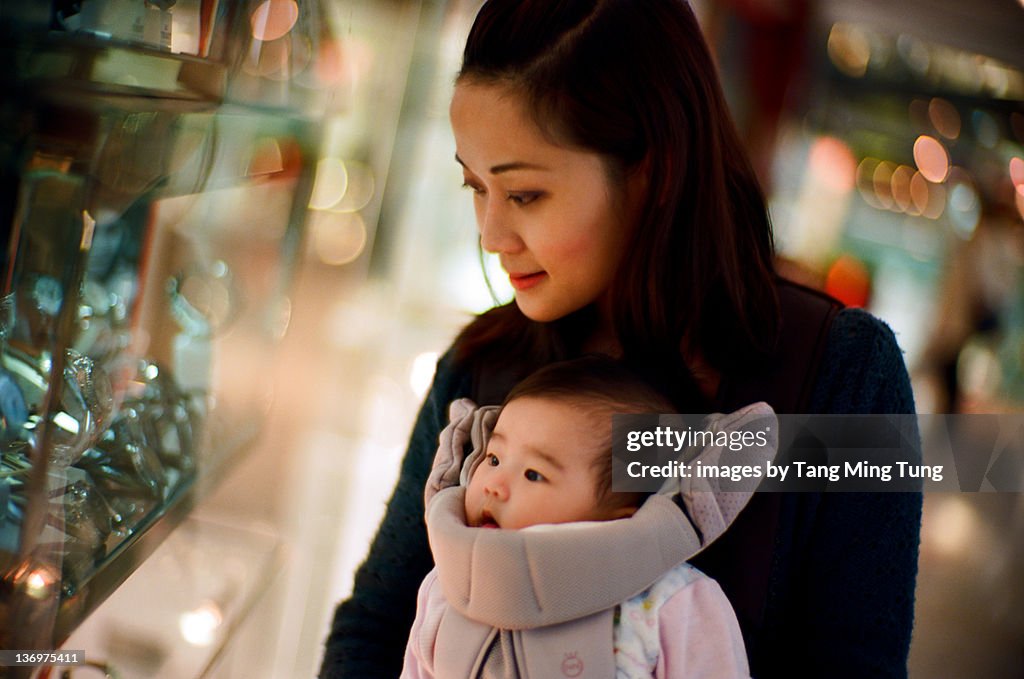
(507,167)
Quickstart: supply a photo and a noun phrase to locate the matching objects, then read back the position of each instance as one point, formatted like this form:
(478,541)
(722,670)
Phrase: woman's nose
(497,233)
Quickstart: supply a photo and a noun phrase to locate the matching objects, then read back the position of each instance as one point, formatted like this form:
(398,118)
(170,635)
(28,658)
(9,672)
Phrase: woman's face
(550,212)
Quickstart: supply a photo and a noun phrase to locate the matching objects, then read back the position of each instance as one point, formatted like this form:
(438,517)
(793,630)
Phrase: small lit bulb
(199,626)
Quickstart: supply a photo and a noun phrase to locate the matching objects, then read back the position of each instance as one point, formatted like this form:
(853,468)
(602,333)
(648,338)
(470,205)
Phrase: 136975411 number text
(34,658)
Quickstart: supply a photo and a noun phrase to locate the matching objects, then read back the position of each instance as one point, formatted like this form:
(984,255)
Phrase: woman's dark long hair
(633,81)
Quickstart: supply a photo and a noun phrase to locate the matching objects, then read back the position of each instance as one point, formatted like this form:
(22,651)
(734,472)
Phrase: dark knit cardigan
(841,590)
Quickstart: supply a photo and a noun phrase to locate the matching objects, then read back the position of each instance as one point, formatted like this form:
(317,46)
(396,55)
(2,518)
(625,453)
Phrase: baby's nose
(497,489)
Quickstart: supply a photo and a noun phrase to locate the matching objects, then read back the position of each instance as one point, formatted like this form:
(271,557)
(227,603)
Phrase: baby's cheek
(469,502)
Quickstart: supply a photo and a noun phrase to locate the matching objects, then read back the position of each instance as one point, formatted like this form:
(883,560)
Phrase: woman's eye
(492,460)
(533,475)
(524,197)
(473,187)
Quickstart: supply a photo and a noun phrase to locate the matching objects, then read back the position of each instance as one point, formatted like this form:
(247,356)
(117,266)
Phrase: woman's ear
(637,185)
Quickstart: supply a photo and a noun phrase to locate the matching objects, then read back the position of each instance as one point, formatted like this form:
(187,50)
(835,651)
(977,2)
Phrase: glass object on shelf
(179,26)
(110,471)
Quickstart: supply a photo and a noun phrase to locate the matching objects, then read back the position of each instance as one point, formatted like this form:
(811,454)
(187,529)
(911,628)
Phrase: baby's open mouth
(487,521)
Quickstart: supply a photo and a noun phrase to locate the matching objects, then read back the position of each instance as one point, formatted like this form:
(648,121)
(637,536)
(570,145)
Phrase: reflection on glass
(274,18)
(330,185)
(337,237)
(203,300)
(360,189)
(110,471)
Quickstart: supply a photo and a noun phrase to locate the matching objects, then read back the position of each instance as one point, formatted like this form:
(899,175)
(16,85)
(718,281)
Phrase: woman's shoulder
(450,375)
(860,338)
(862,369)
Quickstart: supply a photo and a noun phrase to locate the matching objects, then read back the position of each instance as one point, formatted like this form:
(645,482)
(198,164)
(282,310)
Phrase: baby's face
(538,468)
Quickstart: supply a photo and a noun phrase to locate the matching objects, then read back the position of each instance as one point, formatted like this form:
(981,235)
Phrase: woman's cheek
(572,247)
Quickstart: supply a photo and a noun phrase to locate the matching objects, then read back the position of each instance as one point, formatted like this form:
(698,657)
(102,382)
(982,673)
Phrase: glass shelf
(152,227)
(199,584)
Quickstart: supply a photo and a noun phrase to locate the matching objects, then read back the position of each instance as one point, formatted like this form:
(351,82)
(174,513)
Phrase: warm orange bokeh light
(866,180)
(944,117)
(900,183)
(849,281)
(273,19)
(931,158)
(1017,174)
(883,183)
(833,163)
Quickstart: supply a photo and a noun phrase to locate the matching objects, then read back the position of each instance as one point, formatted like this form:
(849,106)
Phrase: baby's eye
(524,197)
(533,475)
(492,460)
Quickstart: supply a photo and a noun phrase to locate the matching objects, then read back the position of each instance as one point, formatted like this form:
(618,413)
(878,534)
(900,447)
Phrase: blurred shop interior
(238,243)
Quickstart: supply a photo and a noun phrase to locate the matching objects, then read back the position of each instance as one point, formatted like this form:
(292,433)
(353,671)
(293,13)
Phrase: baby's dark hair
(601,387)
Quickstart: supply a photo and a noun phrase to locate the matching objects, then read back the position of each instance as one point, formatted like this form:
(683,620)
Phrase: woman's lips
(521,281)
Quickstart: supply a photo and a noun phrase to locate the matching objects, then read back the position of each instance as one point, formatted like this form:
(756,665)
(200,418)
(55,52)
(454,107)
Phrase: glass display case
(157,166)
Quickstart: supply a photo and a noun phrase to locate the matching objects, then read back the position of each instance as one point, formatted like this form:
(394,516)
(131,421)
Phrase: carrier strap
(742,559)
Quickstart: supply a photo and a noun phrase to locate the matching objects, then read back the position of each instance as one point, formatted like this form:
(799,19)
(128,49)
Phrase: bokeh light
(330,184)
(849,281)
(951,527)
(963,205)
(914,53)
(337,238)
(929,199)
(882,183)
(273,19)
(944,117)
(360,189)
(900,185)
(1017,174)
(866,180)
(832,162)
(931,158)
(199,626)
(849,49)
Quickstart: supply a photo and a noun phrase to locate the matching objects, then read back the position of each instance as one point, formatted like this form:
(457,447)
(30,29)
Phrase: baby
(576,589)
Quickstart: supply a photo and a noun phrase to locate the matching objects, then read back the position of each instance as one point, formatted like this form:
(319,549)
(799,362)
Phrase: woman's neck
(602,343)
(604,340)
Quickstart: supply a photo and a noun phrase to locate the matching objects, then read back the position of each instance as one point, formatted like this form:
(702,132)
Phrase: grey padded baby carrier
(522,601)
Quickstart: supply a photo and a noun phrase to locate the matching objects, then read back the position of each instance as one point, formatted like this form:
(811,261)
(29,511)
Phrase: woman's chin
(541,313)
